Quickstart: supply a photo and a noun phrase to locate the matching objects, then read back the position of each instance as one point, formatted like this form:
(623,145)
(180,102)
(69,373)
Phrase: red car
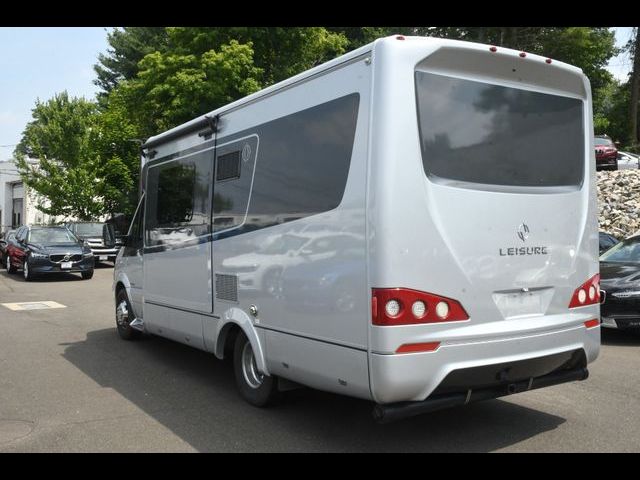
(606,153)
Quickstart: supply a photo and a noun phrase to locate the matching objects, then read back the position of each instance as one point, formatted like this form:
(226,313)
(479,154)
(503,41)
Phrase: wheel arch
(230,325)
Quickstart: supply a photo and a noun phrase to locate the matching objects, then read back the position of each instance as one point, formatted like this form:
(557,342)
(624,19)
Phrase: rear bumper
(391,412)
(416,376)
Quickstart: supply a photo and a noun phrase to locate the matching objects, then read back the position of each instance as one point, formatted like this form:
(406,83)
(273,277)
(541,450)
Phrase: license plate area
(523,302)
(66,265)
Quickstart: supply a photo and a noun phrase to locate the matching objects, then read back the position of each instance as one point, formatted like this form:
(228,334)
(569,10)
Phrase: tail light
(403,306)
(587,294)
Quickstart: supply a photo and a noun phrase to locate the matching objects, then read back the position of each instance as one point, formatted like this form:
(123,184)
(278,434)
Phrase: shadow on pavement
(621,338)
(193,394)
(49,277)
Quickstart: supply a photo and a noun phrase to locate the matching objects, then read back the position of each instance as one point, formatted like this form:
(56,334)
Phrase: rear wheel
(255,387)
(124,316)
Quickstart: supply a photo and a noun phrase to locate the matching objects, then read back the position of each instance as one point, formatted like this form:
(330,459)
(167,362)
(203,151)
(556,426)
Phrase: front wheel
(28,274)
(87,275)
(124,317)
(7,264)
(255,387)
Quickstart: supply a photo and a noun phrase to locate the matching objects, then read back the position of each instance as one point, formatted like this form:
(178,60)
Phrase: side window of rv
(177,205)
(303,162)
(235,162)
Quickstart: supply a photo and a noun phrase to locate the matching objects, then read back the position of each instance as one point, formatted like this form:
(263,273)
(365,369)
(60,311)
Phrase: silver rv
(413,223)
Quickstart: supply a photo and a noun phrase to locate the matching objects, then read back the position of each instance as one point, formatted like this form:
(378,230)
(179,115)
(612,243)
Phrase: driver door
(132,258)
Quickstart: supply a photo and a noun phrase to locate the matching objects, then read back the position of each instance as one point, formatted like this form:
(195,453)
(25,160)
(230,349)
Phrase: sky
(38,62)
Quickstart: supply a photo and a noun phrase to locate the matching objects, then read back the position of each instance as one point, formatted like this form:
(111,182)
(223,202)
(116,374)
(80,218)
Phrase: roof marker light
(399,37)
(548,60)
(493,49)
(523,54)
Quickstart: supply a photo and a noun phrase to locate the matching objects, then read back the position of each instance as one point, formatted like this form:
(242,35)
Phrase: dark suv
(606,153)
(38,250)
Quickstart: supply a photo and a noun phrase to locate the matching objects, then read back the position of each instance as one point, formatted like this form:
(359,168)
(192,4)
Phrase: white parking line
(33,305)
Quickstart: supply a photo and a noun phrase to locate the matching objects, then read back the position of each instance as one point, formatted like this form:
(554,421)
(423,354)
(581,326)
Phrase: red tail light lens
(403,306)
(587,294)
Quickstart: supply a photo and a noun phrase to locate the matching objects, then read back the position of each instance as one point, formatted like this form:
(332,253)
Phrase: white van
(413,223)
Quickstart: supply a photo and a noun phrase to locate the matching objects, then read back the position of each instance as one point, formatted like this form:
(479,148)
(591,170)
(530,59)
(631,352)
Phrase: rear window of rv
(474,132)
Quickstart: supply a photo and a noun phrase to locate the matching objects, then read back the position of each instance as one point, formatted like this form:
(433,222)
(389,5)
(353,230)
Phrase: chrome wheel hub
(122,314)
(249,367)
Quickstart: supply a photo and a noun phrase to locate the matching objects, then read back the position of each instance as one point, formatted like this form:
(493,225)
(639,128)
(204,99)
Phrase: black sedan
(607,241)
(40,250)
(620,285)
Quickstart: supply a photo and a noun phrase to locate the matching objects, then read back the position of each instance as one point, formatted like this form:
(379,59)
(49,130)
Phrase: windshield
(51,235)
(89,229)
(626,251)
(489,134)
(602,141)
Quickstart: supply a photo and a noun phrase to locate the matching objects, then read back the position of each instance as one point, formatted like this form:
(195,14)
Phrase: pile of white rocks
(619,202)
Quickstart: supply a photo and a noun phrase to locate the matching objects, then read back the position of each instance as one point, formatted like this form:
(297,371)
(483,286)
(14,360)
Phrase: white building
(17,203)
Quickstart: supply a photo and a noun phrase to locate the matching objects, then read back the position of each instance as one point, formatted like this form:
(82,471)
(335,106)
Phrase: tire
(257,389)
(87,275)
(126,313)
(28,274)
(7,264)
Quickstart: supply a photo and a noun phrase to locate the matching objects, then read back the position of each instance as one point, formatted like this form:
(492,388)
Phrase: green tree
(66,136)
(128,46)
(172,88)
(278,52)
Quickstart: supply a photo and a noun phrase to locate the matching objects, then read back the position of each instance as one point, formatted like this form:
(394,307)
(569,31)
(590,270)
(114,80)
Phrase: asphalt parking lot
(69,384)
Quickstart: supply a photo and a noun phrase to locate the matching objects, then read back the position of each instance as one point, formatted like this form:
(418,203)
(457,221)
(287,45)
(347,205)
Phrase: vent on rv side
(228,166)
(227,287)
